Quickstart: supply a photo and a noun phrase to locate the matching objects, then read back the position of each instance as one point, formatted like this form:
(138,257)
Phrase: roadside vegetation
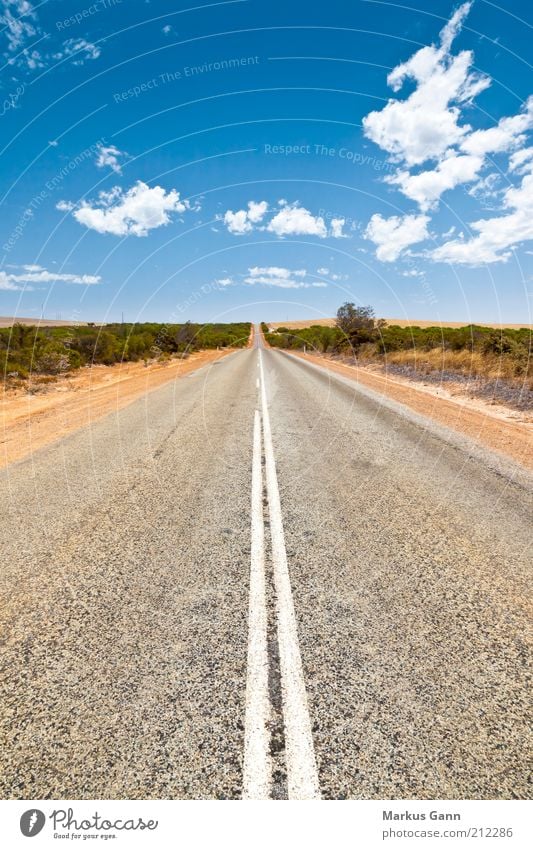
(46,352)
(490,362)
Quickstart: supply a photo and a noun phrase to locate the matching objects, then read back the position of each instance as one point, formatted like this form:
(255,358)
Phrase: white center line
(257,764)
(302,773)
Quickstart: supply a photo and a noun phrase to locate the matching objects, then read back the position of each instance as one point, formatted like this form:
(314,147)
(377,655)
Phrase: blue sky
(245,160)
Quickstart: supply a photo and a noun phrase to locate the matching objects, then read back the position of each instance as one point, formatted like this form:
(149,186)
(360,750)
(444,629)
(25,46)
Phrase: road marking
(257,383)
(302,773)
(257,765)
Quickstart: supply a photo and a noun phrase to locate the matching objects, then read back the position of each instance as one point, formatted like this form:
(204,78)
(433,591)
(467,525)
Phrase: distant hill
(400,322)
(6,321)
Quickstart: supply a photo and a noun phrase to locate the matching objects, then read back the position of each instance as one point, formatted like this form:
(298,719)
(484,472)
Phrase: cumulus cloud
(336,228)
(134,212)
(31,274)
(427,187)
(237,222)
(295,220)
(282,278)
(242,221)
(506,135)
(520,160)
(426,123)
(257,211)
(107,156)
(495,236)
(486,189)
(426,127)
(65,206)
(393,235)
(291,219)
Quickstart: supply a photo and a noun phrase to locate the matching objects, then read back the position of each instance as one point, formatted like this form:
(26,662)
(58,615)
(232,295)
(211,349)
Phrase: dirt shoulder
(29,421)
(496,427)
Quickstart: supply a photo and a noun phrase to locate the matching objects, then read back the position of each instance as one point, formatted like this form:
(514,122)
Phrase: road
(262,581)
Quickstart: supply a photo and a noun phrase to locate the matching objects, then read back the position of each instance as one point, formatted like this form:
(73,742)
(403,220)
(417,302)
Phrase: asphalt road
(260,581)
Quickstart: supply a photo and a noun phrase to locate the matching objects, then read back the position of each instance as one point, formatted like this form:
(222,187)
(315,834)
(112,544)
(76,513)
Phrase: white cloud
(279,277)
(108,156)
(520,161)
(486,189)
(257,211)
(326,272)
(425,124)
(242,221)
(80,48)
(336,228)
(37,274)
(412,273)
(506,135)
(167,29)
(224,281)
(7,285)
(291,219)
(18,20)
(496,236)
(19,25)
(134,212)
(294,220)
(237,222)
(65,206)
(393,235)
(427,187)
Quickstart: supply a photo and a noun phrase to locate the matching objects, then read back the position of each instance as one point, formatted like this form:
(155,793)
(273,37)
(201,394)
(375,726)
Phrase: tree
(358,324)
(186,337)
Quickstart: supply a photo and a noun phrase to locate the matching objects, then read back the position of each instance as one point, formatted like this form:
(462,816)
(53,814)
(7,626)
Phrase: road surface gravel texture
(126,551)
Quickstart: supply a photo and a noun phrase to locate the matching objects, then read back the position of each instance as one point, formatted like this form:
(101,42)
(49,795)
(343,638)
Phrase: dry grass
(471,364)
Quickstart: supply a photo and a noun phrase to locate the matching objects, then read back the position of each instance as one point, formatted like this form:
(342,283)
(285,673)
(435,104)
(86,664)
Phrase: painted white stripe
(257,765)
(302,773)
